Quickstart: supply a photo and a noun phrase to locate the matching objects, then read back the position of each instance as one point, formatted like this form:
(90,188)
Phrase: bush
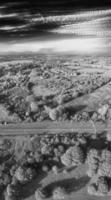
(59,193)
(85,116)
(40,194)
(46,150)
(38,157)
(24,174)
(34,107)
(103,187)
(55,113)
(91,189)
(91,172)
(108,136)
(13,190)
(59,151)
(103,111)
(13,169)
(5,179)
(106,156)
(10,197)
(55,169)
(74,156)
(63,98)
(94,116)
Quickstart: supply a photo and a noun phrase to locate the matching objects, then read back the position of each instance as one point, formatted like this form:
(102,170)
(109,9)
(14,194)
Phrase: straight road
(51,128)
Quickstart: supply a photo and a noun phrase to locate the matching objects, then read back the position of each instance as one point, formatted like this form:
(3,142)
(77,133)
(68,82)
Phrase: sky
(55,26)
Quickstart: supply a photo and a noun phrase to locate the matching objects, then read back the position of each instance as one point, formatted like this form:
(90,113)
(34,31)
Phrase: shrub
(55,113)
(46,150)
(45,168)
(106,156)
(59,193)
(13,190)
(63,98)
(94,116)
(40,194)
(38,157)
(91,189)
(34,107)
(108,136)
(91,172)
(103,187)
(59,151)
(55,169)
(85,116)
(5,179)
(24,174)
(103,110)
(13,169)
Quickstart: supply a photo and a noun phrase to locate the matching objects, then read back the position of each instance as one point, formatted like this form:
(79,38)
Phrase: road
(50,127)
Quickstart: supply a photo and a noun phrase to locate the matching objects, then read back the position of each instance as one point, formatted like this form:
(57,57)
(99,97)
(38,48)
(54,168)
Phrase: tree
(93,157)
(105,169)
(74,156)
(93,162)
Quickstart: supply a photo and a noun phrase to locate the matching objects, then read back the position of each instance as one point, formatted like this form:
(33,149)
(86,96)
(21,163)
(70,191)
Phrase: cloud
(77,45)
(87,28)
(24,22)
(13,28)
(8,15)
(86,15)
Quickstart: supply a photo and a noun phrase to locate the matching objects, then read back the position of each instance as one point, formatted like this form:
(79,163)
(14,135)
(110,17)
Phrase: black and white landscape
(55,100)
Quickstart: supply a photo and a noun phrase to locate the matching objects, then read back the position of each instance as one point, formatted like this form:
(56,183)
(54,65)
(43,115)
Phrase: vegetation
(24,174)
(74,156)
(59,193)
(55,153)
(40,194)
(24,93)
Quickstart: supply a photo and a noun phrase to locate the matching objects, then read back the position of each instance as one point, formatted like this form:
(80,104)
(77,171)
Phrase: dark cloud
(52,19)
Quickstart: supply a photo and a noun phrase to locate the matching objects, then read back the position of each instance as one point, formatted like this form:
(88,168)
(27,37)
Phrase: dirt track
(50,127)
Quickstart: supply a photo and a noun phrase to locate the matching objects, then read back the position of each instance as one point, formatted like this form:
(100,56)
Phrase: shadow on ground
(71,110)
(30,188)
(70,185)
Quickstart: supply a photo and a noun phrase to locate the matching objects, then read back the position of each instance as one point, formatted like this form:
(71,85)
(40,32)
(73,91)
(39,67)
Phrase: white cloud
(8,15)
(2,7)
(7,28)
(92,27)
(88,45)
(13,28)
(86,15)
